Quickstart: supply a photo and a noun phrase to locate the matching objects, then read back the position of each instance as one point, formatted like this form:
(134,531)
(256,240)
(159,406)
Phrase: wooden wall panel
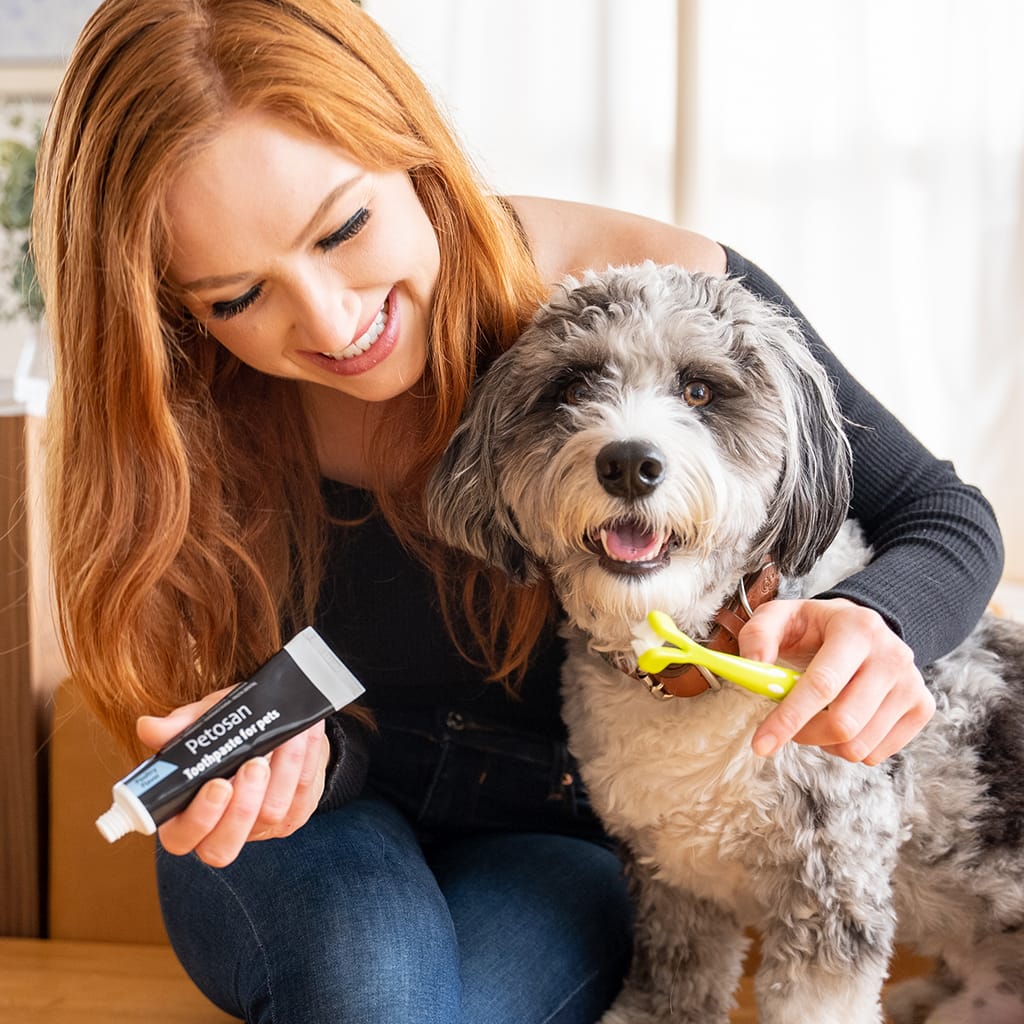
(30,670)
(20,793)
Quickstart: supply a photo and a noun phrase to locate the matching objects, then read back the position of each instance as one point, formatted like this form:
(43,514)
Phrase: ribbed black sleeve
(938,550)
(349,759)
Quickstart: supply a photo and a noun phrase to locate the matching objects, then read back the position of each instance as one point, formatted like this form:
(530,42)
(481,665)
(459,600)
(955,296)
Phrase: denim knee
(544,924)
(333,923)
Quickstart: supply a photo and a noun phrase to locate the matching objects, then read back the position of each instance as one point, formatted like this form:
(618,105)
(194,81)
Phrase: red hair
(182,543)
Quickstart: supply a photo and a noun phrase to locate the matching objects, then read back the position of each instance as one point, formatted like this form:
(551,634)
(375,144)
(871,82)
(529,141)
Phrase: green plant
(18,163)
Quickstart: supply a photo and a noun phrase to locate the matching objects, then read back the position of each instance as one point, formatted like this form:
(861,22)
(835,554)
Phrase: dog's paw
(641,1007)
(936,1000)
(911,1001)
(978,1007)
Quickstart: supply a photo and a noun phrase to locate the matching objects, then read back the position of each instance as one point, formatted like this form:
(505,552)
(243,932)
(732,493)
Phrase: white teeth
(362,343)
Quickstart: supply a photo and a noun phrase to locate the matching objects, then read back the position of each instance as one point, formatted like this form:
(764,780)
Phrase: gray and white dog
(652,438)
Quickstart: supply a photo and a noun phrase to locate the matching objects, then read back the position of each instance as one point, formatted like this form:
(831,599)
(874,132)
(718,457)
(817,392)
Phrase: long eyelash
(351,228)
(226,310)
(348,230)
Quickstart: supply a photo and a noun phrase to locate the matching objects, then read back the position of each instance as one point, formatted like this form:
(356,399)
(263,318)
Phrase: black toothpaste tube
(302,683)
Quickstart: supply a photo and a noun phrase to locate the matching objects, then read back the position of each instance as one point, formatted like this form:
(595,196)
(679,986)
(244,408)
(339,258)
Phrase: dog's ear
(813,495)
(464,505)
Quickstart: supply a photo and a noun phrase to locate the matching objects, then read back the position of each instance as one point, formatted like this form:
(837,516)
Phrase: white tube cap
(114,824)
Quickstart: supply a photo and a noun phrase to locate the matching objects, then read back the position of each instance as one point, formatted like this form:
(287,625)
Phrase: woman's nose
(328,317)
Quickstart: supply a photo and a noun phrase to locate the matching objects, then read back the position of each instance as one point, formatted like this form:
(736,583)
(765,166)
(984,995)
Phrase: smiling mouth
(628,548)
(367,339)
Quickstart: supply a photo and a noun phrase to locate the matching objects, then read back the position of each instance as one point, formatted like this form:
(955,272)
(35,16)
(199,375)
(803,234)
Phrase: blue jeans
(375,915)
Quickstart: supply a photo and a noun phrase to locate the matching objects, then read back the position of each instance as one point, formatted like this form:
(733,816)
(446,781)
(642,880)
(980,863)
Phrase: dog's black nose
(630,469)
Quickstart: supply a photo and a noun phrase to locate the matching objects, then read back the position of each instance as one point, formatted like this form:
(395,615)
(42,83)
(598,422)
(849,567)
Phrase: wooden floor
(61,982)
(904,965)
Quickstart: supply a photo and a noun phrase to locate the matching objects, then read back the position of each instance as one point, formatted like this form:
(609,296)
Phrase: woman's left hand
(860,696)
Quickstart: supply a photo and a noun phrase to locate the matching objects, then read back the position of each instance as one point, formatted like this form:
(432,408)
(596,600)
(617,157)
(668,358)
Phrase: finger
(772,624)
(852,734)
(286,766)
(156,730)
(310,785)
(184,831)
(904,731)
(830,670)
(887,688)
(224,842)
(873,717)
(859,717)
(314,771)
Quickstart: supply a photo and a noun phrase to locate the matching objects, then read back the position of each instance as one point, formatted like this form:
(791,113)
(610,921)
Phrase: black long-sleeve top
(938,553)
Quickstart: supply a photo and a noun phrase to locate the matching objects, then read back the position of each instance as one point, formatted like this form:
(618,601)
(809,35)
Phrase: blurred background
(869,155)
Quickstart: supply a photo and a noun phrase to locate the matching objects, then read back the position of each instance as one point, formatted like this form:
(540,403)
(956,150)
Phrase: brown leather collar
(689,680)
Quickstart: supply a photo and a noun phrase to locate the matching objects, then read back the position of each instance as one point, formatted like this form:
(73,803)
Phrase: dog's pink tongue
(628,543)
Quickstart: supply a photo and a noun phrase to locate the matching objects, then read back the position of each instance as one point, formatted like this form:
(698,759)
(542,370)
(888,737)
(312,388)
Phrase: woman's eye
(226,310)
(348,230)
(697,393)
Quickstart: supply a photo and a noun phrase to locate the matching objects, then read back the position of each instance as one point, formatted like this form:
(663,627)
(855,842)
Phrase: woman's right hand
(267,798)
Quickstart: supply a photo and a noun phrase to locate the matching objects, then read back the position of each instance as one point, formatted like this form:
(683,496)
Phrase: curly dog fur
(654,436)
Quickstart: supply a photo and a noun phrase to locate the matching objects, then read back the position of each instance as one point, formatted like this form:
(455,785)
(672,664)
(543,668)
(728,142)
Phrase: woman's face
(301,262)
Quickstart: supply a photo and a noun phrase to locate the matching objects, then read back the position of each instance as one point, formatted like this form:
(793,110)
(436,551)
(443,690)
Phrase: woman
(271,278)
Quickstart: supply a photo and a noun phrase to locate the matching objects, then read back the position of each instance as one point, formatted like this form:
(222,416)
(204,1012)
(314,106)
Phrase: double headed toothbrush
(771,681)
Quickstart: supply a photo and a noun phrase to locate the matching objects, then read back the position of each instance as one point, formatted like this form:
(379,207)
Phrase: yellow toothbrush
(772,681)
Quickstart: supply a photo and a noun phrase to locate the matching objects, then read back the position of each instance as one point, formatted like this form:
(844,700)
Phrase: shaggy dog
(653,439)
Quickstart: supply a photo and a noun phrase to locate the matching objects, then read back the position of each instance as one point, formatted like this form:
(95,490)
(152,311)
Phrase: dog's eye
(697,393)
(577,391)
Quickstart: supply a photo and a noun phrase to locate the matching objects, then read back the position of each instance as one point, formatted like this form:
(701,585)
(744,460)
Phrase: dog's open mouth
(628,547)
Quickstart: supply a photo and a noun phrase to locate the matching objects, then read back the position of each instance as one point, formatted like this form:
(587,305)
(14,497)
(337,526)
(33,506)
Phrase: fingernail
(765,745)
(218,792)
(256,770)
(857,752)
(157,718)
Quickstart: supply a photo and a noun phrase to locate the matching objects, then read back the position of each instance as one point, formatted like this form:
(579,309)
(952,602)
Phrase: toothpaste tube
(302,683)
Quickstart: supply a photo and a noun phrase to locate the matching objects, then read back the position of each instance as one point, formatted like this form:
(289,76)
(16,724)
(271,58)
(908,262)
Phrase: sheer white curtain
(567,98)
(869,155)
